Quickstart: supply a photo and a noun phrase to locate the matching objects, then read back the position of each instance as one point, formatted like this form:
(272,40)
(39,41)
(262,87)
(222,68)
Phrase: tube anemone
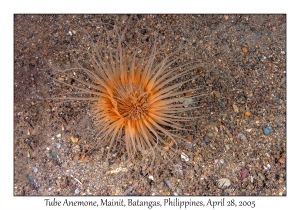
(134,95)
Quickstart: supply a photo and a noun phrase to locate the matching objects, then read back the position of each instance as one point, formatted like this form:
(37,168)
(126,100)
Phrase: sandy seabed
(244,72)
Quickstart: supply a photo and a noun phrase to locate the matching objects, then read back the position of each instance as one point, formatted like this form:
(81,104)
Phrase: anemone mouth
(131,101)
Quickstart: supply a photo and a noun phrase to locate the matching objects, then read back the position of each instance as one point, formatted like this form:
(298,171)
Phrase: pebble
(268,167)
(268,130)
(221,161)
(34,169)
(210,134)
(280,180)
(57,145)
(117,170)
(247,114)
(171,143)
(216,94)
(206,139)
(76,157)
(261,176)
(245,49)
(123,158)
(75,140)
(65,164)
(281,160)
(53,154)
(256,118)
(189,138)
(57,182)
(242,137)
(190,174)
(227,146)
(76,191)
(30,179)
(184,157)
(250,187)
(187,102)
(83,156)
(196,167)
(63,186)
(168,183)
(223,183)
(244,173)
(235,108)
(250,94)
(188,94)
(166,148)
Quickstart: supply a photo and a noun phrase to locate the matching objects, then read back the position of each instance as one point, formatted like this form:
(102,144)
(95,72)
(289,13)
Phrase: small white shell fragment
(185,157)
(76,191)
(223,183)
(58,135)
(151,177)
(71,32)
(268,167)
(117,170)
